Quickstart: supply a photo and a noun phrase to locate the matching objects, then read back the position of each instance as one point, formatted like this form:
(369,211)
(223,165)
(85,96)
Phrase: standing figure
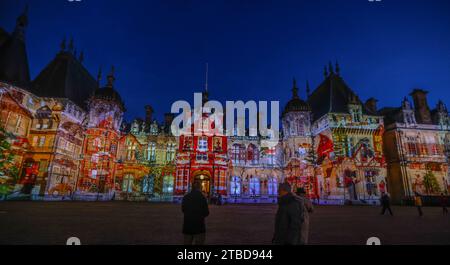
(307,209)
(288,219)
(195,209)
(386,203)
(418,203)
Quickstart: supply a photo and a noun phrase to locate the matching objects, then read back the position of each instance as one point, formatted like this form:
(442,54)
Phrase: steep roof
(333,96)
(13,55)
(65,77)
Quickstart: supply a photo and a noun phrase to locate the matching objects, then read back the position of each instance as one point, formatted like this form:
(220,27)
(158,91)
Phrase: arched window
(168,185)
(235,186)
(252,154)
(272,186)
(148,183)
(254,187)
(127,184)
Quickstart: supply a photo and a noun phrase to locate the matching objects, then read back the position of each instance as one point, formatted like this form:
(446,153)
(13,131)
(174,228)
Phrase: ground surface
(148,223)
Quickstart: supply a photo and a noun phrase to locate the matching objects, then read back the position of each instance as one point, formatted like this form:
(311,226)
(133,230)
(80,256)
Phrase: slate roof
(333,96)
(65,77)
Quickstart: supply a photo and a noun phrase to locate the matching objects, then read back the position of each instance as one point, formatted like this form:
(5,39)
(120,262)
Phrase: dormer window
(202,143)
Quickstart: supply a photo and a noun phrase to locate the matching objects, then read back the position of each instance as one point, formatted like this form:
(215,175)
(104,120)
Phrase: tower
(422,110)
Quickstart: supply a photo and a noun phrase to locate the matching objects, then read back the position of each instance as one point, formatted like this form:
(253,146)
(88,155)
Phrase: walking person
(195,209)
(288,219)
(418,203)
(307,209)
(443,201)
(386,203)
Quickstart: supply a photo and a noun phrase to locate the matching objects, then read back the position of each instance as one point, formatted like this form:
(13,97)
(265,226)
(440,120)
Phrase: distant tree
(9,173)
(431,184)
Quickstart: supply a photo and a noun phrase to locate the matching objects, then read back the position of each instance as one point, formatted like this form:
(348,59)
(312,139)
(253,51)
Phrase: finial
(330,68)
(22,20)
(308,90)
(71,45)
(206,78)
(99,76)
(294,89)
(81,58)
(111,77)
(338,68)
(63,44)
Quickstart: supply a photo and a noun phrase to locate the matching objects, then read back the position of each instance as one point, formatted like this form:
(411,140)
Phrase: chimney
(168,119)
(421,108)
(148,114)
(371,105)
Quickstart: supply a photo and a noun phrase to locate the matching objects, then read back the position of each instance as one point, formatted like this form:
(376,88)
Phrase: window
(412,146)
(18,124)
(254,186)
(235,186)
(203,143)
(42,141)
(272,188)
(151,152)
(127,184)
(168,185)
(202,157)
(35,141)
(252,154)
(170,153)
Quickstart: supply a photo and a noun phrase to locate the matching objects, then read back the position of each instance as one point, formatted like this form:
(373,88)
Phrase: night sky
(254,48)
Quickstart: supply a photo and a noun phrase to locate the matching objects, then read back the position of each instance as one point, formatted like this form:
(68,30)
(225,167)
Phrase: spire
(22,20)
(330,68)
(206,79)
(63,44)
(294,89)
(325,71)
(21,24)
(71,45)
(111,78)
(338,68)
(308,90)
(99,76)
(205,94)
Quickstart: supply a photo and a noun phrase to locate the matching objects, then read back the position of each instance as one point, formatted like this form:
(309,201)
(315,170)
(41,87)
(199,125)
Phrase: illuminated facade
(348,144)
(417,144)
(202,156)
(101,143)
(69,141)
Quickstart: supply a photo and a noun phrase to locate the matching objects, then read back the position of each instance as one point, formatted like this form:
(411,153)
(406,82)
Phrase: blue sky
(254,48)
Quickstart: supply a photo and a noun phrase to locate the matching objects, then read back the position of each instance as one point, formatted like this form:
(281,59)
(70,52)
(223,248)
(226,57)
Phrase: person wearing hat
(288,218)
(307,209)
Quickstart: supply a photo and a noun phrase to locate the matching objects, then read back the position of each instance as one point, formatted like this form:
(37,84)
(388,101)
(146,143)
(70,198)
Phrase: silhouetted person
(443,201)
(307,209)
(195,209)
(386,203)
(418,203)
(288,218)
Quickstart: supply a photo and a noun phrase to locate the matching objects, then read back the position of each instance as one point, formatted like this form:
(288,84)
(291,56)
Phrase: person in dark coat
(195,209)
(288,219)
(386,203)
